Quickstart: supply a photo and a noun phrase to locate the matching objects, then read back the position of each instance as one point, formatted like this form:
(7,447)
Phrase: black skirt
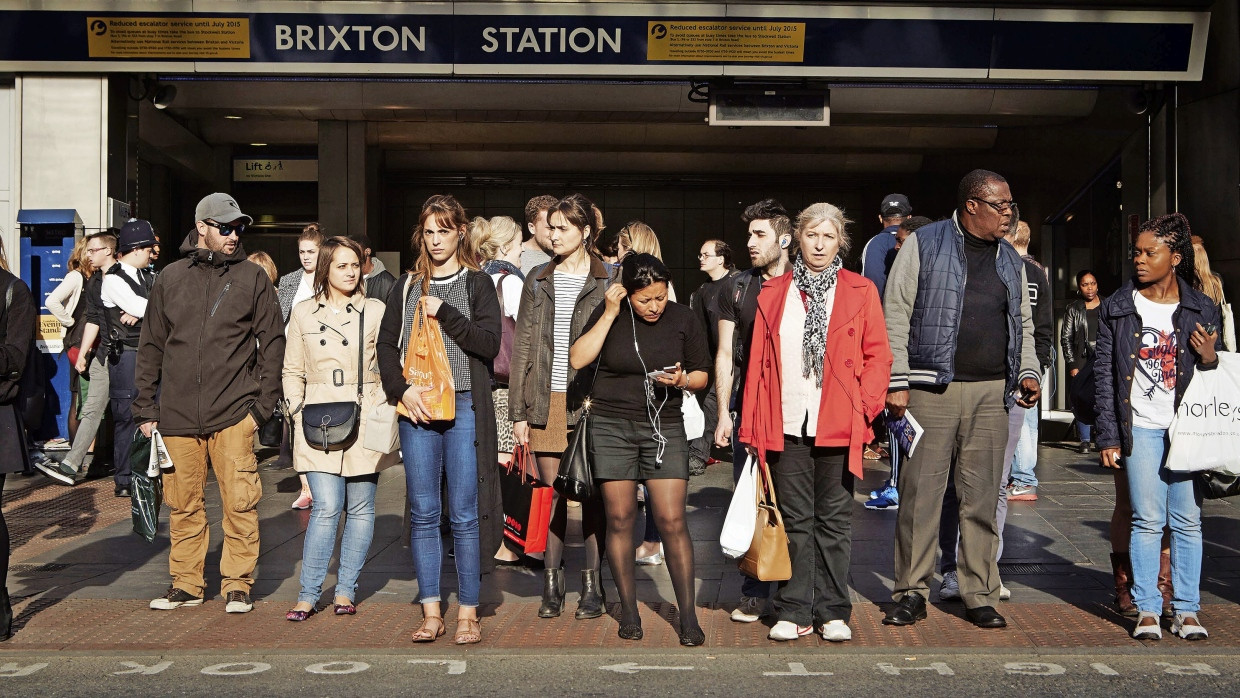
(13,445)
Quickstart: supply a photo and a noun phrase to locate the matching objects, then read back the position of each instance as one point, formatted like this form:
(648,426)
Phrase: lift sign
(191,38)
(726,42)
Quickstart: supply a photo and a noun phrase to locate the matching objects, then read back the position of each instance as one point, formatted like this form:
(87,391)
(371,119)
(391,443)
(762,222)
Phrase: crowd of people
(797,364)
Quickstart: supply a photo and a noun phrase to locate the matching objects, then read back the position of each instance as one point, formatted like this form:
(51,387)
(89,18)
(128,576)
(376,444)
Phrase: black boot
(6,615)
(593,598)
(553,593)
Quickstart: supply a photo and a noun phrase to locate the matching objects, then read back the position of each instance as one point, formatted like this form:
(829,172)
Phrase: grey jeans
(97,397)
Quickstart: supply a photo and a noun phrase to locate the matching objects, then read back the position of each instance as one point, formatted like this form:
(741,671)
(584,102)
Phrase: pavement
(81,580)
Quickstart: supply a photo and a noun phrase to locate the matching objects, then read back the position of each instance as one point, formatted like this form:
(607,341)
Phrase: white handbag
(1205,433)
(738,526)
(695,419)
(382,434)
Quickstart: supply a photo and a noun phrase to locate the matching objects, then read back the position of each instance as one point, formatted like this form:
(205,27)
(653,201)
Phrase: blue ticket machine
(47,239)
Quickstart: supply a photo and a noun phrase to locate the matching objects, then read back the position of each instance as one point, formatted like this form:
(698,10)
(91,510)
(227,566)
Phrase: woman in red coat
(818,376)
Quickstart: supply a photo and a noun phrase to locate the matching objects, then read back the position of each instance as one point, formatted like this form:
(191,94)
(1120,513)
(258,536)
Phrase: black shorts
(625,449)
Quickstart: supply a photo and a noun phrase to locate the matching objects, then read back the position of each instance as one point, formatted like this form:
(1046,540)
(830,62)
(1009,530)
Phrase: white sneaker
(1147,632)
(949,590)
(238,602)
(836,631)
(1188,632)
(1005,594)
(750,609)
(786,630)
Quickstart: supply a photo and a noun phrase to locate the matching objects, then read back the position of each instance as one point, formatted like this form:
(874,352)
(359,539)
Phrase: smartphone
(1211,328)
(665,372)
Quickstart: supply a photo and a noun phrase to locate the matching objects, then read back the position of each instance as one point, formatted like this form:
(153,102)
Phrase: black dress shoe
(908,610)
(985,617)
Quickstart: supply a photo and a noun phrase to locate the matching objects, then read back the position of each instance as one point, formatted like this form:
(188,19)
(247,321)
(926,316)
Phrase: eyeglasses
(1000,207)
(226,229)
(706,256)
(92,250)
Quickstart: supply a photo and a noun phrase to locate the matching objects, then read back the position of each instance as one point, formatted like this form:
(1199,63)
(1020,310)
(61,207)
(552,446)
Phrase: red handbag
(527,502)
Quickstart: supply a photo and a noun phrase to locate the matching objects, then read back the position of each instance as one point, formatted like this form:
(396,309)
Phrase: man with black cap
(126,287)
(213,345)
(879,252)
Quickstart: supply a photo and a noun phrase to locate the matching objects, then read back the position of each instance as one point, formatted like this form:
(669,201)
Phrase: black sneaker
(52,469)
(697,466)
(239,602)
(122,493)
(175,598)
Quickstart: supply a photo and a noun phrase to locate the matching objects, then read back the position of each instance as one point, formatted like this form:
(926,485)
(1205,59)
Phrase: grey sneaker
(749,610)
(697,466)
(239,602)
(949,590)
(175,598)
(52,469)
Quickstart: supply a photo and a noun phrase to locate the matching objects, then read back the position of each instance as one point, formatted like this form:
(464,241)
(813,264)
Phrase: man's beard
(765,259)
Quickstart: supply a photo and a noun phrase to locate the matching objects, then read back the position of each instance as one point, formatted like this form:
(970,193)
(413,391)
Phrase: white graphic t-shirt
(1153,381)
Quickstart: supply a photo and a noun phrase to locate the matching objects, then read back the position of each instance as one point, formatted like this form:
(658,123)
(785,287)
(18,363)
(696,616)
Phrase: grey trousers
(92,413)
(966,427)
(949,520)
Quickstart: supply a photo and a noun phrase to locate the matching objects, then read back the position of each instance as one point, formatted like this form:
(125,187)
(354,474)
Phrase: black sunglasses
(225,229)
(1000,206)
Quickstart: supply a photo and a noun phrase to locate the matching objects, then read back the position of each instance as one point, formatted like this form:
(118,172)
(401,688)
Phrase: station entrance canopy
(604,40)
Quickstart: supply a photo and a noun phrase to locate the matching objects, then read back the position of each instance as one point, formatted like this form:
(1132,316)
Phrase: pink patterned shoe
(303,502)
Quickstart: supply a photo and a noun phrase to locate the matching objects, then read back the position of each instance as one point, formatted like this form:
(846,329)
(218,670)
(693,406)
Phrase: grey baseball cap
(220,208)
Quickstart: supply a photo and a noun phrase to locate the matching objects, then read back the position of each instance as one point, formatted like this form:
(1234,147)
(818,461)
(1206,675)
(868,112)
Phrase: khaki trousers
(231,454)
(966,424)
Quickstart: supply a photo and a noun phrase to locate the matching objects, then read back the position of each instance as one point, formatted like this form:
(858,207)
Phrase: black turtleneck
(981,344)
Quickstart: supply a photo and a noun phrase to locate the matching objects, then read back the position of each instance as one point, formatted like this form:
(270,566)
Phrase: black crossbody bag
(333,426)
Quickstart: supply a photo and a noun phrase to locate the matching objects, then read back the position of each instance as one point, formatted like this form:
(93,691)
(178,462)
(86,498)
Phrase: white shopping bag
(695,419)
(160,460)
(737,534)
(1205,433)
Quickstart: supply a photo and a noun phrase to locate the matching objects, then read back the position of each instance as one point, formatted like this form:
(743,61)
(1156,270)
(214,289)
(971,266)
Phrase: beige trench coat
(320,365)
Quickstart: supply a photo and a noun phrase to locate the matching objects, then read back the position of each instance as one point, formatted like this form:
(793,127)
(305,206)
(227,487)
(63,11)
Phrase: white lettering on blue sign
(303,37)
(550,40)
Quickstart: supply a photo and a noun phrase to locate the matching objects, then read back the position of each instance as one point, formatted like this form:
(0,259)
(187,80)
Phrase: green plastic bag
(146,494)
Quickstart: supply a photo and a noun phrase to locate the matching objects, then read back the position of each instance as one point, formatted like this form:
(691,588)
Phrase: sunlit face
(97,253)
(308,253)
(345,271)
(216,240)
(1152,260)
(1088,287)
(566,238)
(708,261)
(440,238)
(139,258)
(819,245)
(991,215)
(649,302)
(541,231)
(763,243)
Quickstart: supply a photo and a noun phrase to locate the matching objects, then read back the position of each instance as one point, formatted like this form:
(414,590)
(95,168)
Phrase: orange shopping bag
(426,365)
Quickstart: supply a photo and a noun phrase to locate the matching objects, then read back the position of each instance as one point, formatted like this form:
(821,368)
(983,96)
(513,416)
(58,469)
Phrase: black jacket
(1074,336)
(1119,332)
(1043,314)
(212,344)
(18,327)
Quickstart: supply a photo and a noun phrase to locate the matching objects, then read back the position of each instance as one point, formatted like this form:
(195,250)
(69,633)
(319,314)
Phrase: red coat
(856,370)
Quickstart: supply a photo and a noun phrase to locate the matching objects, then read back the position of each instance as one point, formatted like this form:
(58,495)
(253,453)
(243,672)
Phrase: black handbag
(575,479)
(271,433)
(1215,485)
(333,426)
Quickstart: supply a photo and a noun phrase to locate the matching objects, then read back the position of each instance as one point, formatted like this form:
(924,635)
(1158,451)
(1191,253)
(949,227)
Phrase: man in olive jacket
(213,345)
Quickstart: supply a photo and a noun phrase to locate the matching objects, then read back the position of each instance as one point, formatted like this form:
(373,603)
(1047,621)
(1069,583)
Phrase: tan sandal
(471,635)
(424,633)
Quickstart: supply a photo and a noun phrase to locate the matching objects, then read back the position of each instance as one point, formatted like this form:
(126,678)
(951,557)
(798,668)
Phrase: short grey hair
(815,214)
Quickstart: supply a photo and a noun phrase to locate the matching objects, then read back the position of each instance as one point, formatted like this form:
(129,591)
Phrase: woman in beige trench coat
(320,365)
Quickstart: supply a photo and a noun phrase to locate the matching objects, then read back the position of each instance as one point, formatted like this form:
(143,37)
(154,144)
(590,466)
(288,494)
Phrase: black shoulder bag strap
(361,351)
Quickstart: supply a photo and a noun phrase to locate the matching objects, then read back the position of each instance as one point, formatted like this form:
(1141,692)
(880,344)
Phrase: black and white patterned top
(453,291)
(567,288)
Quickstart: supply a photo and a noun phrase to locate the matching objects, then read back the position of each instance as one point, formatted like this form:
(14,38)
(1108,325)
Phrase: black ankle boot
(6,615)
(553,593)
(593,597)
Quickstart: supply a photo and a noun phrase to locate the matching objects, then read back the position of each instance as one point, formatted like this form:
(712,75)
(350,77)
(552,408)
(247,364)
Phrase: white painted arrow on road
(633,668)
(455,667)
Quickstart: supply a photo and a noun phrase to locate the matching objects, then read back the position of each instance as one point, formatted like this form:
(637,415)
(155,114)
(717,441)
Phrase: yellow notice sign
(726,42)
(191,38)
(51,335)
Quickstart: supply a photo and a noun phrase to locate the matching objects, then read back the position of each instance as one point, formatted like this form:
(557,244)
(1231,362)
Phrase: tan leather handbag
(767,559)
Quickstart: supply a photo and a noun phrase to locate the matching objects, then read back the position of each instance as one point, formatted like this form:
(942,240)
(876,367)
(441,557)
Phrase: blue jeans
(430,451)
(331,492)
(1026,457)
(1161,498)
(1084,430)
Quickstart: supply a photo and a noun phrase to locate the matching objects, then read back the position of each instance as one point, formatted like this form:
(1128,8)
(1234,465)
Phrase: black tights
(593,526)
(4,540)
(666,498)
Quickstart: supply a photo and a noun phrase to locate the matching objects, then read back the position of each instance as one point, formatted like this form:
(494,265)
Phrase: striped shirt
(567,288)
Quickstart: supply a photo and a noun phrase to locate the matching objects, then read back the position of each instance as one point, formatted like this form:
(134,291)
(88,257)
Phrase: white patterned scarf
(815,288)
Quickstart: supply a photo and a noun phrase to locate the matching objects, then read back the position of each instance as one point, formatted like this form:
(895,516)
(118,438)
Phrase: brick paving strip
(113,624)
(43,516)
